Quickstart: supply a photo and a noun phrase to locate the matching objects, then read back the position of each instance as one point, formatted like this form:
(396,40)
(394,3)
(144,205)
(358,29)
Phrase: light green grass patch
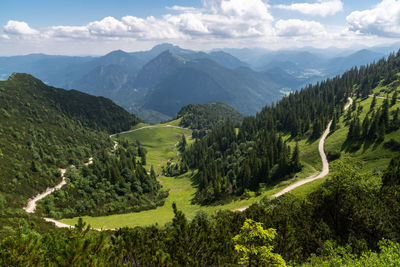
(181,192)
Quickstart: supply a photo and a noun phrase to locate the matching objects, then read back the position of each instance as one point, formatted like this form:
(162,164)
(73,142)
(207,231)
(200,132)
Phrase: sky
(95,27)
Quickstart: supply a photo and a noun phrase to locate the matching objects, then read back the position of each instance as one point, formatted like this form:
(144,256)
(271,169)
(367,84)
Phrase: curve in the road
(30,208)
(325,170)
(325,164)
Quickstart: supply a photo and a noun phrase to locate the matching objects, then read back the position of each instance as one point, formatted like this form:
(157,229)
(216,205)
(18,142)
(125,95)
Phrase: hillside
(139,81)
(203,117)
(177,82)
(44,128)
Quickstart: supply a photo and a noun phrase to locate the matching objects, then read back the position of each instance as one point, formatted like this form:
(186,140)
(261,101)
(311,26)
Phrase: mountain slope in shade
(178,82)
(206,116)
(43,128)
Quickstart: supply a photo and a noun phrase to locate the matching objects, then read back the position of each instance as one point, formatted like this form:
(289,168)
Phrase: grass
(160,143)
(181,192)
(160,146)
(371,157)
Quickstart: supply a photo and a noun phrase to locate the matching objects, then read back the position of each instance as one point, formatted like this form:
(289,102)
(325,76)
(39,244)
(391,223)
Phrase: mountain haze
(155,83)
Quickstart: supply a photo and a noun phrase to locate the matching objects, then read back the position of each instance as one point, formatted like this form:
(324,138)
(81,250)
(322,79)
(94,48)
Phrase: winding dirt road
(382,97)
(30,208)
(325,164)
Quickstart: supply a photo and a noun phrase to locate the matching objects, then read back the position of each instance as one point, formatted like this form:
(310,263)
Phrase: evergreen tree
(365,127)
(334,122)
(391,176)
(254,244)
(394,98)
(295,160)
(373,103)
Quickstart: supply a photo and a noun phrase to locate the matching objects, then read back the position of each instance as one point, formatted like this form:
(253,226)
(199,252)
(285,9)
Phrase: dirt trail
(30,208)
(382,97)
(325,164)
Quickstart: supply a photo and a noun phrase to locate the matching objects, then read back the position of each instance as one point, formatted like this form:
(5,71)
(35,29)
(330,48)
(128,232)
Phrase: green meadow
(160,143)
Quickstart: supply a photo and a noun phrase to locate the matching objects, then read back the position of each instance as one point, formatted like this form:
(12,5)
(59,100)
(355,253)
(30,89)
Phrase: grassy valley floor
(160,143)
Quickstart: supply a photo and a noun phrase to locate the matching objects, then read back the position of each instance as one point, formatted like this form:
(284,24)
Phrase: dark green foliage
(392,145)
(203,117)
(79,106)
(228,164)
(37,138)
(349,211)
(374,128)
(391,177)
(112,184)
(331,156)
(43,129)
(182,144)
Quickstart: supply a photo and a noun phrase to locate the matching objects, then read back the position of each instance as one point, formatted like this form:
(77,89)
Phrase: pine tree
(356,129)
(295,160)
(385,114)
(334,122)
(143,159)
(365,127)
(391,175)
(394,98)
(373,103)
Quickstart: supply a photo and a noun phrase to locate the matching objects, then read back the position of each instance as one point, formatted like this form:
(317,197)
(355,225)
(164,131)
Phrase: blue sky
(99,26)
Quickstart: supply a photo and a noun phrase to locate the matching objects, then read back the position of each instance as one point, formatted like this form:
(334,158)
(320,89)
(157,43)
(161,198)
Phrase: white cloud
(182,8)
(382,20)
(19,28)
(218,19)
(109,27)
(218,23)
(322,8)
(296,27)
(151,28)
(78,32)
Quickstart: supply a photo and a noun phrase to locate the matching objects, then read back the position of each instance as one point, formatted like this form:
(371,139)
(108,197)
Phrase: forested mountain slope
(203,117)
(43,128)
(229,164)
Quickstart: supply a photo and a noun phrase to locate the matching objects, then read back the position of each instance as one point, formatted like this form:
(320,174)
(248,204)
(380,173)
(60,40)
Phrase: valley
(328,148)
(181,187)
(200,133)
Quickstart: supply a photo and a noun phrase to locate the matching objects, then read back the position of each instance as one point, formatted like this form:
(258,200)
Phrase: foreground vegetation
(341,222)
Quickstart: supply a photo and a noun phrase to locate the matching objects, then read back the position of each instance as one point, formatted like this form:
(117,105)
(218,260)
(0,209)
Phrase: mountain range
(155,84)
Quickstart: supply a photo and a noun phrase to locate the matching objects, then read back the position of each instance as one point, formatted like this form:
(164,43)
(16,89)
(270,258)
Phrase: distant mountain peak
(117,52)
(164,46)
(23,77)
(169,55)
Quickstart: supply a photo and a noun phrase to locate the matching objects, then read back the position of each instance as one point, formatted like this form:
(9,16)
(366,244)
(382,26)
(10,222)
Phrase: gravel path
(382,97)
(325,164)
(30,208)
